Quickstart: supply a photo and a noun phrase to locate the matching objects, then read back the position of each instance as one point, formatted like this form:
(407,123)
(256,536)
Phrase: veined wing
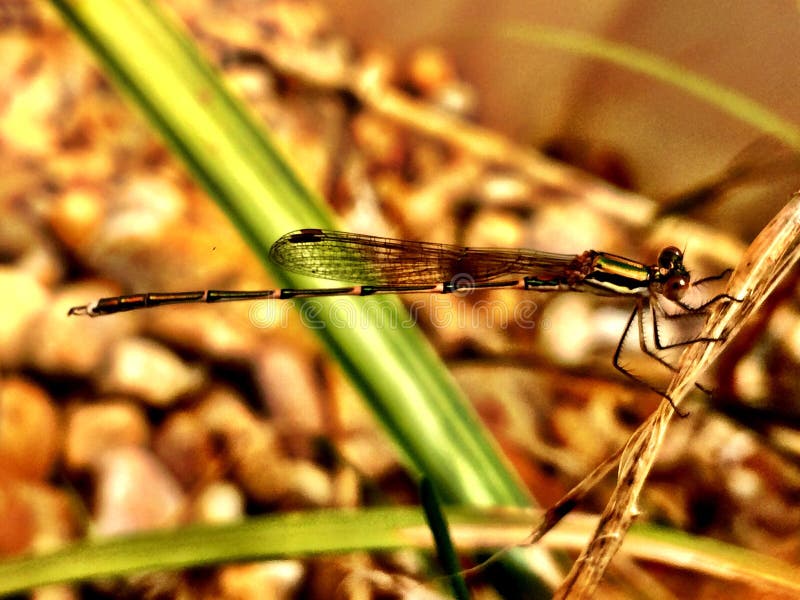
(368,259)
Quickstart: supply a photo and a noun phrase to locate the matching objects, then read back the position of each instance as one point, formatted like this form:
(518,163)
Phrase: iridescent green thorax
(617,275)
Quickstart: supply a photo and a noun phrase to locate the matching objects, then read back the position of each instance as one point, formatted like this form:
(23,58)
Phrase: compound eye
(675,286)
(670,258)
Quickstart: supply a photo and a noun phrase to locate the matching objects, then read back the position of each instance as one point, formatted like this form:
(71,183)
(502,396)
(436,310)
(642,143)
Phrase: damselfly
(389,266)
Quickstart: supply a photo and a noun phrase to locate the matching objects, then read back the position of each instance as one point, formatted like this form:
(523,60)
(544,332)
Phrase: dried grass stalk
(768,259)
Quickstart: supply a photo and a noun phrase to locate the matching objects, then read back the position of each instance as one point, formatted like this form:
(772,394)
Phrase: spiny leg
(639,311)
(618,352)
(707,303)
(643,340)
(691,311)
(722,275)
(712,301)
(659,345)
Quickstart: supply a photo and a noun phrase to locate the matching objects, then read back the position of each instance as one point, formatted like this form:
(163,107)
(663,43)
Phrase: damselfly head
(675,279)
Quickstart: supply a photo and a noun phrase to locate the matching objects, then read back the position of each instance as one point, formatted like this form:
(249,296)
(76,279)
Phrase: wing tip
(280,249)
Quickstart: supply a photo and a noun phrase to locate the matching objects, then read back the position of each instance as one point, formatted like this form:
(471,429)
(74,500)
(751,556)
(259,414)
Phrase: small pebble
(55,592)
(51,347)
(27,113)
(379,139)
(378,67)
(346,485)
(76,215)
(22,299)
(215,331)
(564,227)
(147,370)
(185,445)
(36,517)
(275,580)
(94,429)
(457,97)
(220,502)
(566,329)
(251,445)
(29,430)
(309,484)
(290,392)
(429,69)
(370,453)
(134,492)
(146,207)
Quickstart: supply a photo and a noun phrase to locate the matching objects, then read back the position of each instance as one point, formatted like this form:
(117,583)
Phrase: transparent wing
(375,260)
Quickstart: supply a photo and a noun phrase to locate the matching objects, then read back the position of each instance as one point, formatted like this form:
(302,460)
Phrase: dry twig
(766,262)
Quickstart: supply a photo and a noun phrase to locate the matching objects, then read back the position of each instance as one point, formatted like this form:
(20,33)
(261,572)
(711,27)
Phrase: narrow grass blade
(445,551)
(725,99)
(339,531)
(233,159)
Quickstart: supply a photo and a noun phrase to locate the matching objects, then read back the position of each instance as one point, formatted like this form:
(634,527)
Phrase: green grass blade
(735,104)
(437,522)
(233,159)
(341,531)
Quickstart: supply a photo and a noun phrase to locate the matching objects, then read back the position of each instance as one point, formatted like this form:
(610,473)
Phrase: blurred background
(233,410)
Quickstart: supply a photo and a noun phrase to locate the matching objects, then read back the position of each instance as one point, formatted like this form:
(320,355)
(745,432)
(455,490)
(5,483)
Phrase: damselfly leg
(652,306)
(690,312)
